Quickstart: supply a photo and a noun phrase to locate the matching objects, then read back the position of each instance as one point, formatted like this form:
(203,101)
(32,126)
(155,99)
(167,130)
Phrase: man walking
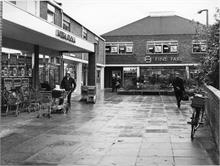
(69,84)
(178,88)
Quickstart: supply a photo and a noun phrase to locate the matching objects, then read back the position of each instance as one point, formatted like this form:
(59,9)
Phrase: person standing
(69,84)
(114,80)
(118,83)
(179,89)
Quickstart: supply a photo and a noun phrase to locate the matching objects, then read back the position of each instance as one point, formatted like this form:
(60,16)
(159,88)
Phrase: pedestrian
(179,89)
(69,84)
(118,83)
(114,79)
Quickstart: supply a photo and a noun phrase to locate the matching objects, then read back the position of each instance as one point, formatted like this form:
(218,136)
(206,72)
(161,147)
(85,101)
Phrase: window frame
(119,45)
(200,43)
(169,43)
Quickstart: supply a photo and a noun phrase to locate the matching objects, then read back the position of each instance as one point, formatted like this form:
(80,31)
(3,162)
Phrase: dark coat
(68,84)
(178,85)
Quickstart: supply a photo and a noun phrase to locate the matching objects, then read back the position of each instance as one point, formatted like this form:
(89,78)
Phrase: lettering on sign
(65,36)
(152,59)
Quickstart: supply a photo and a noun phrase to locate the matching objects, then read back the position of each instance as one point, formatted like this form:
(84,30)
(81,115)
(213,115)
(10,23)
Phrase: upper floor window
(162,47)
(199,46)
(119,47)
(50,13)
(84,33)
(66,23)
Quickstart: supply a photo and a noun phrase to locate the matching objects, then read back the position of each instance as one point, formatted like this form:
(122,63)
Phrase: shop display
(16,70)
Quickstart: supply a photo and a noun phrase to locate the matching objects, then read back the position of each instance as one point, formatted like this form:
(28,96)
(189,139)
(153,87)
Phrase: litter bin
(91,94)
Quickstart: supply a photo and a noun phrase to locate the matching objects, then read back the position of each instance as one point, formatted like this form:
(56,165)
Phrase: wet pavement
(118,130)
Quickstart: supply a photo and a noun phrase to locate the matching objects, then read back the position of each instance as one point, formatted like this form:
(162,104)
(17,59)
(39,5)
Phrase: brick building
(149,51)
(41,42)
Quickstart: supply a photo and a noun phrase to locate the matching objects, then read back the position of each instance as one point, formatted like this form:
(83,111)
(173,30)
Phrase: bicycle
(197,119)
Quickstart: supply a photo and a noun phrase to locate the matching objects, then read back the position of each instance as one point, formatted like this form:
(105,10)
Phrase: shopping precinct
(41,43)
(149,51)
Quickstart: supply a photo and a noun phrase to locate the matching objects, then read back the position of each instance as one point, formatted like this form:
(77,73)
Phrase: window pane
(151,48)
(173,49)
(158,48)
(166,49)
(107,49)
(203,47)
(196,48)
(50,17)
(114,49)
(129,49)
(121,49)
(66,25)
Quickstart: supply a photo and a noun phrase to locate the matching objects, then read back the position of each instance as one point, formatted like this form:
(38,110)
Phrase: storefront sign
(65,36)
(165,59)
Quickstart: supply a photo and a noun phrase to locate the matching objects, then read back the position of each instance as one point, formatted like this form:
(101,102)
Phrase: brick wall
(139,49)
(212,111)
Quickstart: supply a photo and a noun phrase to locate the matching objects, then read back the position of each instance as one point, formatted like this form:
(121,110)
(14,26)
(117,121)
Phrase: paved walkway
(117,131)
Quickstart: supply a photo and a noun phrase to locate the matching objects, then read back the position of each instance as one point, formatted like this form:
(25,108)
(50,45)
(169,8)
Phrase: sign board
(65,36)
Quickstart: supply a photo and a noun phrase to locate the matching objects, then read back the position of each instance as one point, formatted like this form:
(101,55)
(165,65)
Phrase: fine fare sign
(150,59)
(65,36)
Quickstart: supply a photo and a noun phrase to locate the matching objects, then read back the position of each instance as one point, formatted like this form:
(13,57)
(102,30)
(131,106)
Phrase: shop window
(50,13)
(199,46)
(162,47)
(66,23)
(119,47)
(84,33)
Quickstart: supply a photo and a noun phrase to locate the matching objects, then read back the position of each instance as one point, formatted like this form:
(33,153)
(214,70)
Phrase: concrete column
(79,78)
(61,66)
(138,72)
(35,74)
(92,68)
(187,72)
(102,79)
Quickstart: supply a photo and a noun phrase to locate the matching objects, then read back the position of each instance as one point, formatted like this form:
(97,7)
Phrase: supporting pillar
(138,72)
(36,67)
(92,68)
(79,78)
(61,66)
(187,72)
(102,79)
